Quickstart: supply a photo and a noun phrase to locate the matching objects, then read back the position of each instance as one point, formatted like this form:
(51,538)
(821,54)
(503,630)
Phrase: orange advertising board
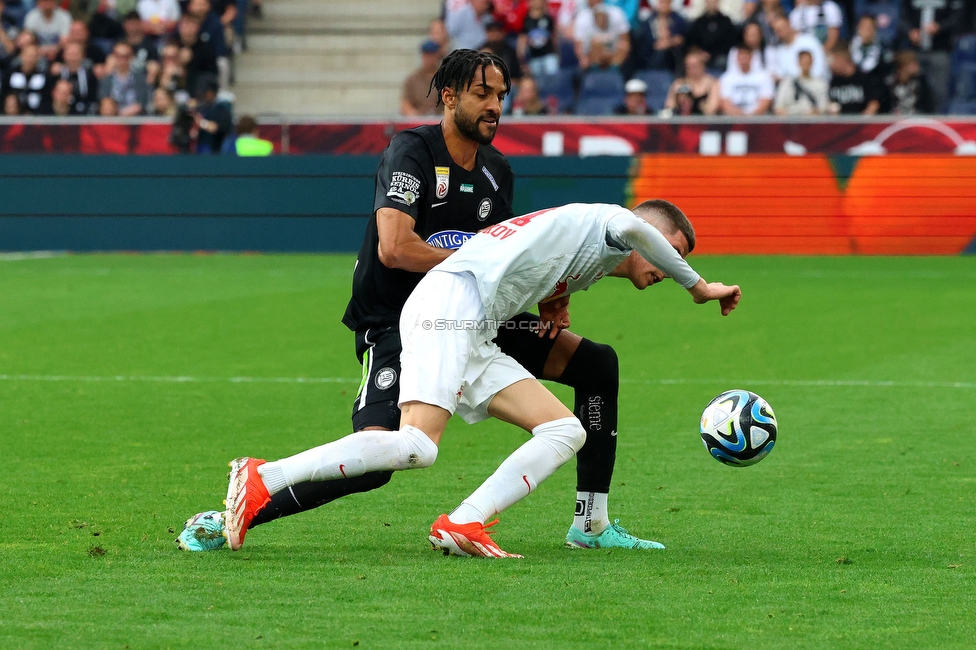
(818,205)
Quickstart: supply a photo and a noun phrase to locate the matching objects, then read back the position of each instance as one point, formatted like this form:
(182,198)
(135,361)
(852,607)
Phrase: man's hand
(554,316)
(728,297)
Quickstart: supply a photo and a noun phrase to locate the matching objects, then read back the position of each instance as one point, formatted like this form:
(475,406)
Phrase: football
(738,428)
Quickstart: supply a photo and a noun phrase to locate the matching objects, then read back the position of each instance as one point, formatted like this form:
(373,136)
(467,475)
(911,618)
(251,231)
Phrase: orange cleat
(246,495)
(465,540)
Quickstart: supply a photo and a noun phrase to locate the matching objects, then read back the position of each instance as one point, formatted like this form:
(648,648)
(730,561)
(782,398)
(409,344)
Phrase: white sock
(354,455)
(591,512)
(552,444)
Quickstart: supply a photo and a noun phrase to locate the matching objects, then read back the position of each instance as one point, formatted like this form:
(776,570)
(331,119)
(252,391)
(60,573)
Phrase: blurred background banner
(550,136)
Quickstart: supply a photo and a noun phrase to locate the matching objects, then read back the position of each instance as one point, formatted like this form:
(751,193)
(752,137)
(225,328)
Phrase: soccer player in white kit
(449,362)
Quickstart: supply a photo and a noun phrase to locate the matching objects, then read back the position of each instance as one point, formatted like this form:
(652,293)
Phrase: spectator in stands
(7,45)
(635,99)
(527,101)
(747,92)
(10,105)
(128,90)
(214,119)
(692,9)
(660,39)
(62,100)
(697,92)
(28,83)
(867,50)
(820,18)
(753,37)
(94,57)
(172,73)
(511,14)
(77,71)
(629,8)
(852,92)
(498,45)
(211,29)
(786,55)
(108,107)
(607,48)
(197,57)
(50,23)
(158,16)
(163,104)
(466,24)
(713,33)
(417,98)
(104,25)
(145,49)
(910,92)
(584,25)
(763,16)
(538,42)
(437,33)
(803,94)
(932,43)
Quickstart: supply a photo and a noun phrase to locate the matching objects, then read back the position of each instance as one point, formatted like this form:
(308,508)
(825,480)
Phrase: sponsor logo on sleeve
(403,188)
(443,175)
(449,239)
(490,177)
(484,209)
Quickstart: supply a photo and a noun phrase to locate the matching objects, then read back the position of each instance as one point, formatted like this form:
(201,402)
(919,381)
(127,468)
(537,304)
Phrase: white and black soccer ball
(738,428)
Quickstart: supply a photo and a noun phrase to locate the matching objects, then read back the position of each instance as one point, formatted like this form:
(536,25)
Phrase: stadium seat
(962,107)
(601,91)
(658,83)
(561,86)
(567,56)
(965,51)
(886,12)
(963,81)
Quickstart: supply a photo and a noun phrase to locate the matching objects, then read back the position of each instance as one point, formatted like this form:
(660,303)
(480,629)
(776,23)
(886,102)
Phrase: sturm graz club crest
(385,378)
(484,209)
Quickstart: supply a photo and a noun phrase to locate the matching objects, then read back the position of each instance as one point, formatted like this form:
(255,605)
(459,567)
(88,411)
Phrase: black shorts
(378,349)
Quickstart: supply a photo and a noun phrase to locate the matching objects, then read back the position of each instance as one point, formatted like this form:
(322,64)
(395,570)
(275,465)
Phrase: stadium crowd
(119,57)
(715,57)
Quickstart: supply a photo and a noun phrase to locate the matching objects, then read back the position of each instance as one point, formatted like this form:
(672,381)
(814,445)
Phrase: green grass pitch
(856,532)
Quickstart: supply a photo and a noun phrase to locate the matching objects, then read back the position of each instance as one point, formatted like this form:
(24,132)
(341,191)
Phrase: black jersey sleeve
(402,178)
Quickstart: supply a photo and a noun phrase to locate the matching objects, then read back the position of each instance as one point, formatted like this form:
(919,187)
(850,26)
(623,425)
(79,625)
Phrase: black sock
(312,494)
(594,373)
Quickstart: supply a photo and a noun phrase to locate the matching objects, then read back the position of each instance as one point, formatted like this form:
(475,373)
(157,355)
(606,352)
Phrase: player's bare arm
(400,247)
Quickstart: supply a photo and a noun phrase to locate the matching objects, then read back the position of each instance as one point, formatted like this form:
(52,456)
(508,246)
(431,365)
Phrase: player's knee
(566,435)
(593,364)
(605,366)
(416,449)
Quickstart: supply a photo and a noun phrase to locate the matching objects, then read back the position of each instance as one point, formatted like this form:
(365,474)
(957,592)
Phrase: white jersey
(551,253)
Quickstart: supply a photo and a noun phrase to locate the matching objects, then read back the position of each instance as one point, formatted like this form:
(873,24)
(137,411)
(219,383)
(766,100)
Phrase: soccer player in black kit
(436,186)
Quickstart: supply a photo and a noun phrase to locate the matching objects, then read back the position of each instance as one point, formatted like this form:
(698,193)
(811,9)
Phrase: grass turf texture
(856,532)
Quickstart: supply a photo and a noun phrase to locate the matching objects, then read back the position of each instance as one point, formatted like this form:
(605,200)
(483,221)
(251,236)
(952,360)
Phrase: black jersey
(418,176)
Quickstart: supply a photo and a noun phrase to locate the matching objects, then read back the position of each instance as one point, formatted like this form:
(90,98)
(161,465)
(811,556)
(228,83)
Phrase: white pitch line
(183,379)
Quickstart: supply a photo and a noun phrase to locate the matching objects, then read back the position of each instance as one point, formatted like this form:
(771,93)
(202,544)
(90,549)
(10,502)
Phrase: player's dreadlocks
(458,68)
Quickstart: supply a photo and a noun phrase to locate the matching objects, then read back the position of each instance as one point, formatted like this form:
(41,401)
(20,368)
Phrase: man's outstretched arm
(401,247)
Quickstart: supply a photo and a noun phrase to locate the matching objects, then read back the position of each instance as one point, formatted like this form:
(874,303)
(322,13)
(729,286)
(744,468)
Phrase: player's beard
(469,126)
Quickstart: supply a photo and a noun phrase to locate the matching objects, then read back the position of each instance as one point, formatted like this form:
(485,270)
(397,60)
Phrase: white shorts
(448,358)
